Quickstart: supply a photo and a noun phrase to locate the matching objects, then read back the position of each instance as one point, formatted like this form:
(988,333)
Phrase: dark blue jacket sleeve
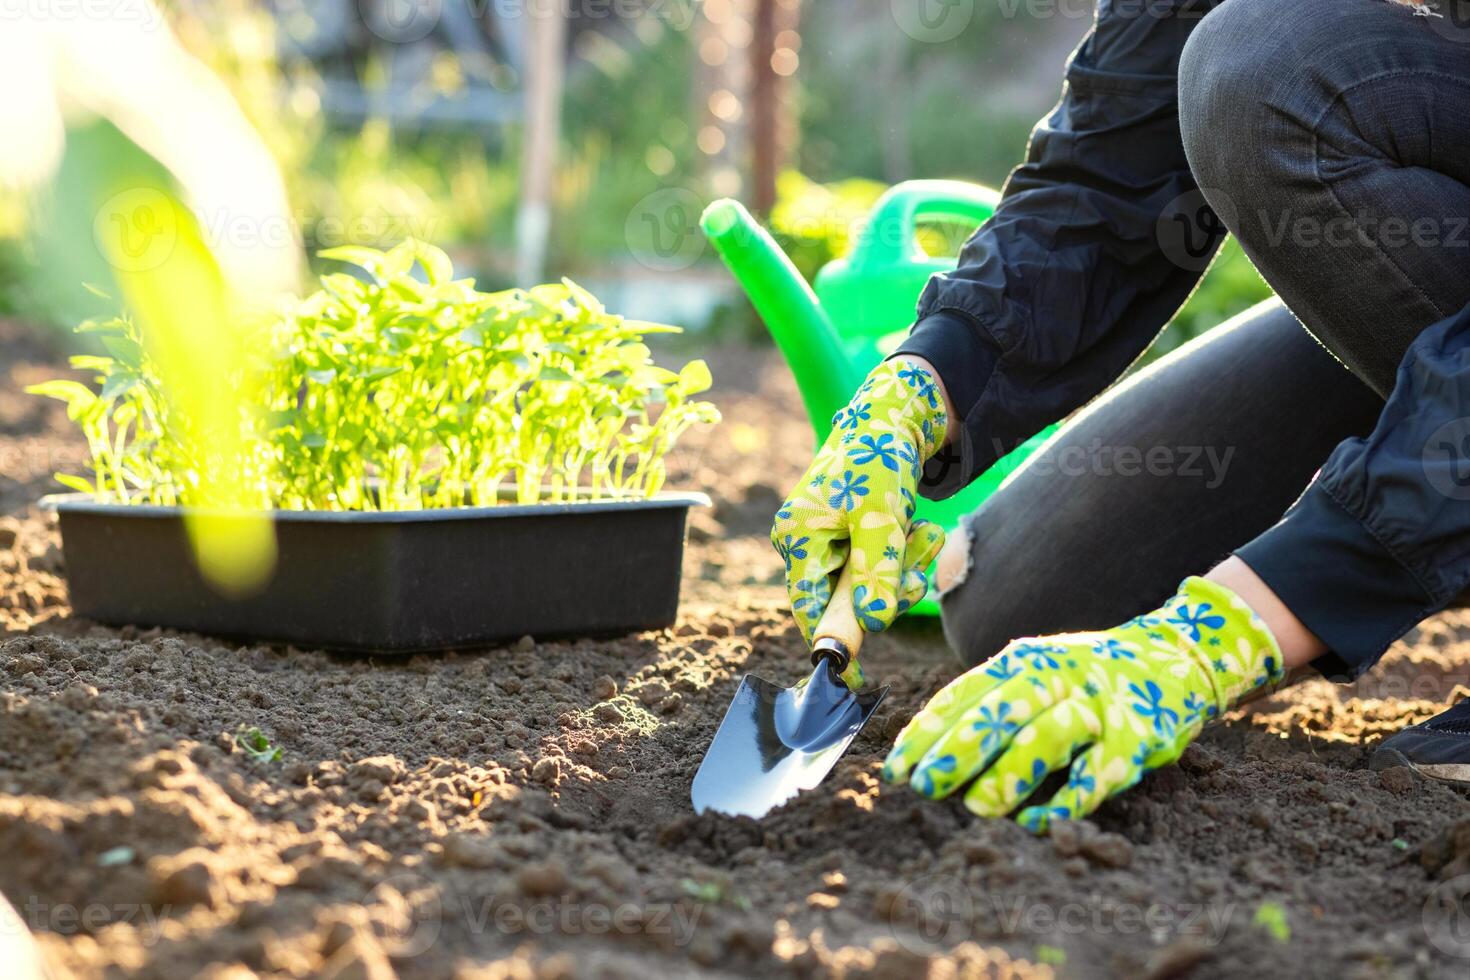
(1381,538)
(1067,284)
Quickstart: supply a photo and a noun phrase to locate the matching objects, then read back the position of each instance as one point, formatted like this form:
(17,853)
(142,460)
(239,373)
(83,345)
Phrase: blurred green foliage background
(868,105)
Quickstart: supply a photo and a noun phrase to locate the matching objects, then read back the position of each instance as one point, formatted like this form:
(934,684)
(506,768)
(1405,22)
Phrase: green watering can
(861,310)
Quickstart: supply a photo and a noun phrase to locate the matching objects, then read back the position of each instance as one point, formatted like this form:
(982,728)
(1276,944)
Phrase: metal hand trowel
(777,741)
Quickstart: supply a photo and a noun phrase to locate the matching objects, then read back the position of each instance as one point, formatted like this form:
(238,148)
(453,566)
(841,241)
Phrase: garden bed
(525,810)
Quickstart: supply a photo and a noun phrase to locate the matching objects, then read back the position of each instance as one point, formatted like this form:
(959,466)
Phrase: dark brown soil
(525,811)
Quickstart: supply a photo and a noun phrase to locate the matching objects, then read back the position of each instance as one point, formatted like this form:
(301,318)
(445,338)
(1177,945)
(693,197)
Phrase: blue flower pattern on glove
(994,725)
(1024,787)
(1079,778)
(847,490)
(792,549)
(1150,704)
(1112,648)
(1039,656)
(812,595)
(1192,621)
(881,448)
(1002,668)
(942,766)
(853,415)
(867,608)
(1194,708)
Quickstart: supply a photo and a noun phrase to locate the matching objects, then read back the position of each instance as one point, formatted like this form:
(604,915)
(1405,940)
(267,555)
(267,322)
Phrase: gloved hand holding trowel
(1109,705)
(855,559)
(854,506)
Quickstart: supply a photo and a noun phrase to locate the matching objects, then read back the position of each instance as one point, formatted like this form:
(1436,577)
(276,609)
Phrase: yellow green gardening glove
(856,504)
(1127,699)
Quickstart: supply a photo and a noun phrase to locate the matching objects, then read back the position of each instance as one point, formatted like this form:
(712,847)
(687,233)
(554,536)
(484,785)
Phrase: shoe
(1438,748)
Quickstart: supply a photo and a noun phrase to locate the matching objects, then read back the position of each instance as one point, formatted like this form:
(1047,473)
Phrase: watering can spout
(825,371)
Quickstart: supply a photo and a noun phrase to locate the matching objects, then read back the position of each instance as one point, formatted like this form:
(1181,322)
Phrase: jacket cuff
(951,342)
(1353,593)
(965,359)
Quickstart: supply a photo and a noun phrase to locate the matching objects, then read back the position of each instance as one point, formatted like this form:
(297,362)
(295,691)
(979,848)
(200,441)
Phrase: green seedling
(255,744)
(1051,955)
(387,391)
(713,893)
(1271,916)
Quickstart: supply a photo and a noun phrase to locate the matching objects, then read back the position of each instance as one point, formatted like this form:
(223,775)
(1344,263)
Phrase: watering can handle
(838,636)
(889,237)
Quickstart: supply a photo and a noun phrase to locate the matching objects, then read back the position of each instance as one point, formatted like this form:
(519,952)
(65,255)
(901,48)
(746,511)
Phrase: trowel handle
(838,636)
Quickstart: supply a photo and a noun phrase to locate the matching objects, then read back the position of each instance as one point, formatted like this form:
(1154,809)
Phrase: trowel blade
(777,741)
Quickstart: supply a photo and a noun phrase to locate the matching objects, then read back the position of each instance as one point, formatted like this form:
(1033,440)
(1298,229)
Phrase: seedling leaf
(436,264)
(75,483)
(79,398)
(364,258)
(694,378)
(1271,916)
(1051,955)
(254,743)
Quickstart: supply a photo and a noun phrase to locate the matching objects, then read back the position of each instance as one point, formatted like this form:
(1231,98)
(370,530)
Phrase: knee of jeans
(955,558)
(1226,72)
(974,607)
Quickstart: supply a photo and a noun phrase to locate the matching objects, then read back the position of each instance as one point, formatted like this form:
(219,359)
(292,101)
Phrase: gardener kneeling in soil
(1332,137)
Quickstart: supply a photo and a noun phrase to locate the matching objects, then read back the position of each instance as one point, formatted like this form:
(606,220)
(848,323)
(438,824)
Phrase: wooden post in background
(545,66)
(773,59)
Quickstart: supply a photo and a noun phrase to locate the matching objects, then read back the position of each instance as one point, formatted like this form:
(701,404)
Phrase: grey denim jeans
(1332,137)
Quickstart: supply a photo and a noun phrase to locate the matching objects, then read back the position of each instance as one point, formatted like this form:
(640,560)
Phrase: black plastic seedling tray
(393,582)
